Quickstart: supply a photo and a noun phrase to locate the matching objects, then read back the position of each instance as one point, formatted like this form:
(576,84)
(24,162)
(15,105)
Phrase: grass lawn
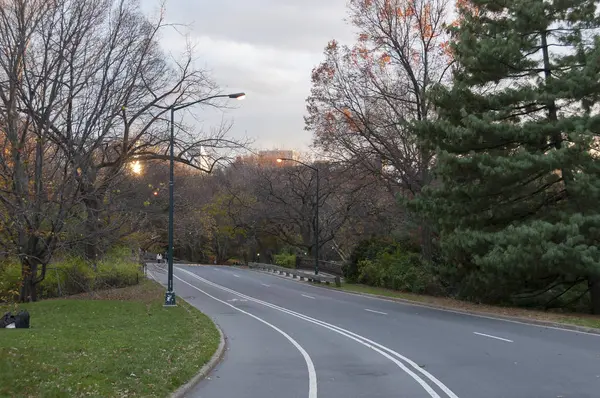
(115,344)
(568,318)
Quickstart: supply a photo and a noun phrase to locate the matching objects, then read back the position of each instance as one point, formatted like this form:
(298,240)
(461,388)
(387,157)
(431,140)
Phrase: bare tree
(84,88)
(38,188)
(246,209)
(107,87)
(288,197)
(365,99)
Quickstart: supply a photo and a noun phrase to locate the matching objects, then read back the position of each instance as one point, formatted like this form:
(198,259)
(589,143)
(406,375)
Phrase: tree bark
(92,229)
(426,230)
(594,284)
(426,241)
(28,291)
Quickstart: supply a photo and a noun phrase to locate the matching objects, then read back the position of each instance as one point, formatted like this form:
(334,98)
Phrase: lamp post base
(170,299)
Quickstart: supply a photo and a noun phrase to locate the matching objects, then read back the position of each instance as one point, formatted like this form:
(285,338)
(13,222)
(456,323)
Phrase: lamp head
(237,96)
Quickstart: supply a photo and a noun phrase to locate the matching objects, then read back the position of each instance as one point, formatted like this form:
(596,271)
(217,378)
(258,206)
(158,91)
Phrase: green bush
(285,260)
(117,269)
(73,275)
(10,278)
(372,249)
(67,276)
(399,270)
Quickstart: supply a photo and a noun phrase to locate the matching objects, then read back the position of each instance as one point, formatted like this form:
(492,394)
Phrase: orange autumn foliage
(323,72)
(384,59)
(350,120)
(462,7)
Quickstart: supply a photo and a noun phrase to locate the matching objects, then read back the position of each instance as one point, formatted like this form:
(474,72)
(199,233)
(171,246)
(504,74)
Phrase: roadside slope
(121,343)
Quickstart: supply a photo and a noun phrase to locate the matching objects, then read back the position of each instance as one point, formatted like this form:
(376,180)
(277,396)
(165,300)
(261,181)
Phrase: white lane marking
(493,337)
(376,312)
(416,304)
(264,284)
(457,312)
(152,276)
(312,374)
(354,336)
(310,297)
(237,300)
(236,275)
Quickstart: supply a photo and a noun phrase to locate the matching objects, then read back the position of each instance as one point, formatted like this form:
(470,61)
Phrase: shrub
(73,275)
(117,270)
(67,276)
(399,270)
(285,260)
(372,249)
(10,278)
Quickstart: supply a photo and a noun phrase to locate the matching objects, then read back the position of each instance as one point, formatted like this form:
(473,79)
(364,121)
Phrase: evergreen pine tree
(518,199)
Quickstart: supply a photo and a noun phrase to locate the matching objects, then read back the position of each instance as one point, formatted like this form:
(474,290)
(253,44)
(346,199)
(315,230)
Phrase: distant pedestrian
(159,258)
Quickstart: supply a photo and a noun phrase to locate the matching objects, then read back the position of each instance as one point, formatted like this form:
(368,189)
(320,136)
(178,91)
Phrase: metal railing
(329,267)
(294,273)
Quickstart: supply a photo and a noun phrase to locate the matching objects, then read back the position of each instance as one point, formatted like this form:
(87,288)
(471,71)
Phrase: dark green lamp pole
(316,170)
(170,294)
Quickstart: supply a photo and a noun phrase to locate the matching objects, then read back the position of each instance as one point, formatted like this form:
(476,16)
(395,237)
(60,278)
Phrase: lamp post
(316,170)
(170,294)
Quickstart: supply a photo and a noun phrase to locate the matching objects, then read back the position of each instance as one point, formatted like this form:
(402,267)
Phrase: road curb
(480,314)
(206,369)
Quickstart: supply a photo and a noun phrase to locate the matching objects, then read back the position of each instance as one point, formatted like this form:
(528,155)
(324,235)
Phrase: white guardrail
(294,273)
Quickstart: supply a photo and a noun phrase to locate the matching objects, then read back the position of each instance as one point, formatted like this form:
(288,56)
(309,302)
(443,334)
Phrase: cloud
(266,48)
(275,23)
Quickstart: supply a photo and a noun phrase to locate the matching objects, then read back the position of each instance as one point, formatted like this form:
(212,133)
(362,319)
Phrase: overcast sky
(266,48)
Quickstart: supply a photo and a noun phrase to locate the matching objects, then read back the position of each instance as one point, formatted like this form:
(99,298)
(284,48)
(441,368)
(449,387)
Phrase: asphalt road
(291,339)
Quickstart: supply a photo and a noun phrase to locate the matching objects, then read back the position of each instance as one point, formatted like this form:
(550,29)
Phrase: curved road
(291,339)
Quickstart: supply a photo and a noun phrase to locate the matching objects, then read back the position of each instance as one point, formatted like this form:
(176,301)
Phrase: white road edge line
(416,304)
(376,312)
(351,335)
(310,297)
(152,276)
(493,337)
(312,374)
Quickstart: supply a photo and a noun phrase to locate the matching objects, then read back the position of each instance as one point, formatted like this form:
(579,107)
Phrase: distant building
(268,157)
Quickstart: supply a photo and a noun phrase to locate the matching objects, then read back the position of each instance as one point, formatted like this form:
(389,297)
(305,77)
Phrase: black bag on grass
(6,320)
(22,320)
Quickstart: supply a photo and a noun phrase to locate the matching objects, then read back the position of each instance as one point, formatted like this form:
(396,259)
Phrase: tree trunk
(92,229)
(426,241)
(426,230)
(28,291)
(594,284)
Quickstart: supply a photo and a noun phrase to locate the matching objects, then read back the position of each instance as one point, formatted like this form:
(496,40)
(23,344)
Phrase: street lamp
(170,294)
(316,170)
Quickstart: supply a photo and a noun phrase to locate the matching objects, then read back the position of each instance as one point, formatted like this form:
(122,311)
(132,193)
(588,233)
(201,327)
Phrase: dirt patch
(516,312)
(146,291)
